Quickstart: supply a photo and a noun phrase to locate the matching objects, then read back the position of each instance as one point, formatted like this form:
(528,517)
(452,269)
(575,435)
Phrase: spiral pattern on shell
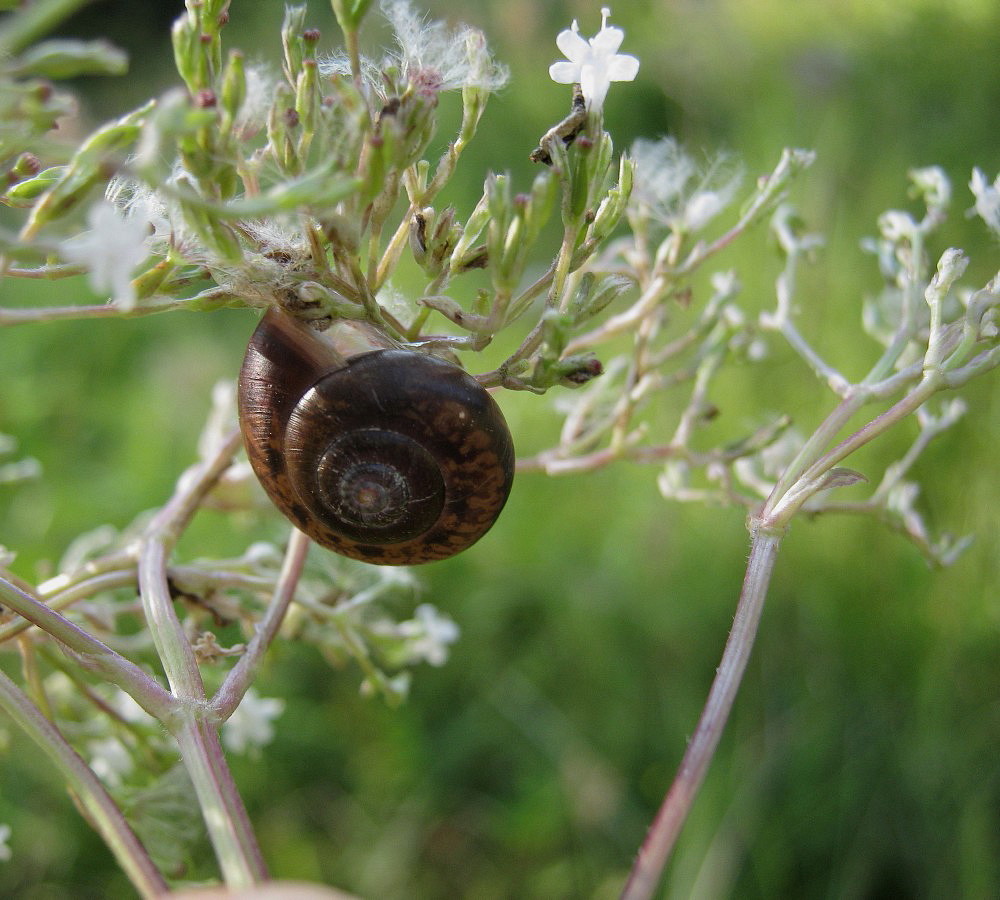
(389,456)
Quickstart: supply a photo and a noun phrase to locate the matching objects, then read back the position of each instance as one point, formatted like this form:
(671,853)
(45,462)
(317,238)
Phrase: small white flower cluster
(424,638)
(987,199)
(111,250)
(251,726)
(431,633)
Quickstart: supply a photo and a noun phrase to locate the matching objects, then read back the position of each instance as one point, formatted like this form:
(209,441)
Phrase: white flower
(429,635)
(129,710)
(4,837)
(111,250)
(987,198)
(896,225)
(111,761)
(593,64)
(250,728)
(933,184)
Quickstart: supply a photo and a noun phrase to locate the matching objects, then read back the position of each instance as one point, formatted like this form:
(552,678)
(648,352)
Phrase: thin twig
(241,676)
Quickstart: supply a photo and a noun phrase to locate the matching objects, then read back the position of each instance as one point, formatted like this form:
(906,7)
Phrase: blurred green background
(861,760)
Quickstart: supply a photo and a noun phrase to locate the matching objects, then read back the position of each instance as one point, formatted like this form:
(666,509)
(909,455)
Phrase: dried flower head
(434,57)
(672,189)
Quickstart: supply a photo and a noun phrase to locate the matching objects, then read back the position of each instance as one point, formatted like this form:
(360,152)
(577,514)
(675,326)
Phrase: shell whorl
(388,456)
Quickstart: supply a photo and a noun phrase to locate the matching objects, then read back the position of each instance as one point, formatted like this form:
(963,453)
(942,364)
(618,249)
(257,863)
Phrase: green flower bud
(149,282)
(282,121)
(332,304)
(541,202)
(92,164)
(594,296)
(27,165)
(291,40)
(24,194)
(376,154)
(307,101)
(186,38)
(349,13)
(216,235)
(573,371)
(464,252)
(612,207)
(234,87)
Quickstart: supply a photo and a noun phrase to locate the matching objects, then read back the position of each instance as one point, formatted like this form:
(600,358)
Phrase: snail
(377,452)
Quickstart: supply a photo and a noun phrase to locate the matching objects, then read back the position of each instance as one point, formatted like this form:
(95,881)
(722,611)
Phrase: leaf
(838,477)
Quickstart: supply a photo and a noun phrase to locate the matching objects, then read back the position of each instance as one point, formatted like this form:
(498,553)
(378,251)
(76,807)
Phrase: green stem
(15,316)
(222,807)
(663,833)
(781,507)
(97,804)
(198,739)
(92,653)
(241,676)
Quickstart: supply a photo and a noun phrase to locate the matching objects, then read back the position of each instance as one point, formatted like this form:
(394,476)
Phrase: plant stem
(92,653)
(97,804)
(193,725)
(27,315)
(222,808)
(662,835)
(197,739)
(241,676)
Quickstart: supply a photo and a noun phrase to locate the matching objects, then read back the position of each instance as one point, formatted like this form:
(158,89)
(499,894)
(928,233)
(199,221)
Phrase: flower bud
(474,225)
(594,296)
(308,97)
(349,13)
(292,29)
(148,283)
(612,207)
(234,86)
(93,163)
(24,193)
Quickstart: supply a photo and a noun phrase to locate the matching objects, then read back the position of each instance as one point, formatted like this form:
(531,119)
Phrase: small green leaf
(68,59)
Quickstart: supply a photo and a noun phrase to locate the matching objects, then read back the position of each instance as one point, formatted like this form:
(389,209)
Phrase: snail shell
(379,453)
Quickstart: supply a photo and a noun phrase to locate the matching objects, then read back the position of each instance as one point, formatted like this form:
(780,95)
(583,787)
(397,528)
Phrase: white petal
(594,86)
(607,40)
(564,72)
(622,68)
(572,45)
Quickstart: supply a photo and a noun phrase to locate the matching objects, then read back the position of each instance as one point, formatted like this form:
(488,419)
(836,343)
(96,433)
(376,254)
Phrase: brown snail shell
(379,453)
